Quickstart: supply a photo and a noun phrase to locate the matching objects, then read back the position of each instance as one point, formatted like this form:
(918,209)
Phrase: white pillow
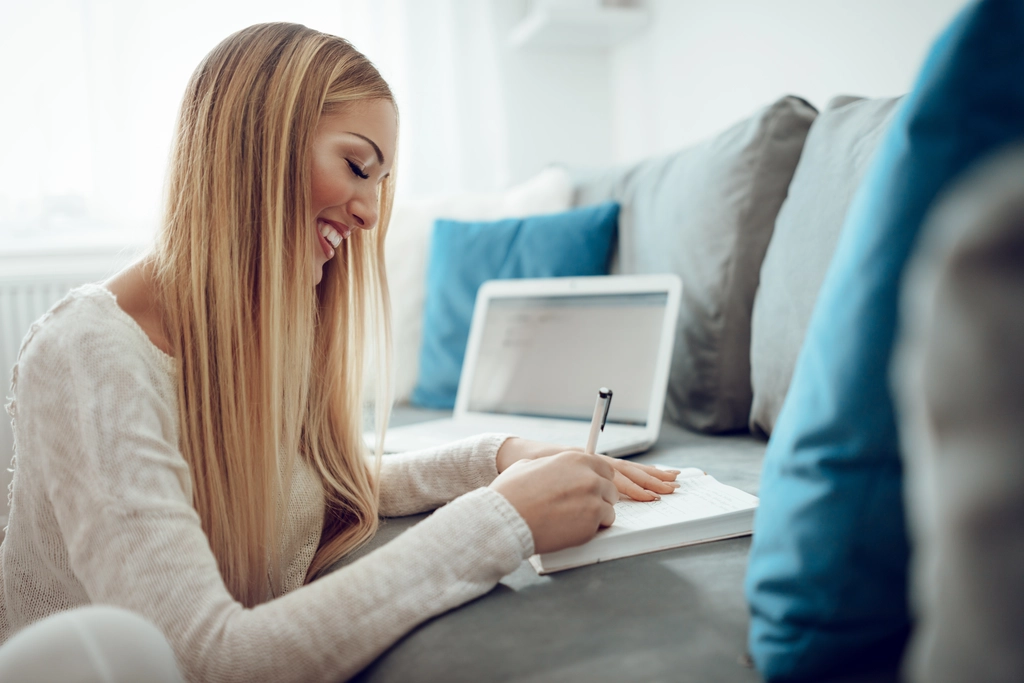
(408,248)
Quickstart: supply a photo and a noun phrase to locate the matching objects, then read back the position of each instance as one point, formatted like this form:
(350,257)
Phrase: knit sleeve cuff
(503,532)
(483,458)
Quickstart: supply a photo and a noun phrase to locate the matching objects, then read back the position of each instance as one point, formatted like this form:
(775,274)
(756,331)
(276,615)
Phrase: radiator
(28,288)
(22,302)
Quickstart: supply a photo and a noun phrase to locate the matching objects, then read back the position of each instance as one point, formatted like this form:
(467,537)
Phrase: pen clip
(606,394)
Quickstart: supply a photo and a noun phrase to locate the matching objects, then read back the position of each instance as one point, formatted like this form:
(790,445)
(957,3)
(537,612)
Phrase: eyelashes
(358,171)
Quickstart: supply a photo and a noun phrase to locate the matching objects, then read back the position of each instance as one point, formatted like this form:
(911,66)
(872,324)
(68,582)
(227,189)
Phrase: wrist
(516,448)
(508,453)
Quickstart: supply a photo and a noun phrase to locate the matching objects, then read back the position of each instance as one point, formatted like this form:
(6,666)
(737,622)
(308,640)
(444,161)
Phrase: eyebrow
(380,155)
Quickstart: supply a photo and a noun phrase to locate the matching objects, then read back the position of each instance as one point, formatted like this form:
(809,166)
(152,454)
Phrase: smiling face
(353,151)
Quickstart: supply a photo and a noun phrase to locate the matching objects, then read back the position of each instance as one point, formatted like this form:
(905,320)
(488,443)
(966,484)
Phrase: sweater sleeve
(89,410)
(422,480)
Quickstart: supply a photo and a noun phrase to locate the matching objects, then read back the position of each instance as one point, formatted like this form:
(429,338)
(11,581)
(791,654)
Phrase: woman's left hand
(633,480)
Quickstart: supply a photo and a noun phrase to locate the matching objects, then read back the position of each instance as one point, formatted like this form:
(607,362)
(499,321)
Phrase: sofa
(749,220)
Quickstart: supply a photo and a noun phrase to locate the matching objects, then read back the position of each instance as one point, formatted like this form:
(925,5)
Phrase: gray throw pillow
(835,157)
(706,213)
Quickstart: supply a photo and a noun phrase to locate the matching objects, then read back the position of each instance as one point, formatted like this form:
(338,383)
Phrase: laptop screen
(548,355)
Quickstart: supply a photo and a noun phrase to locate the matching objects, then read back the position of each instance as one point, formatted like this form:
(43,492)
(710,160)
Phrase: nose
(364,210)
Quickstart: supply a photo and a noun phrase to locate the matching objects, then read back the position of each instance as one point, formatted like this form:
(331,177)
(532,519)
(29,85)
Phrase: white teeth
(331,234)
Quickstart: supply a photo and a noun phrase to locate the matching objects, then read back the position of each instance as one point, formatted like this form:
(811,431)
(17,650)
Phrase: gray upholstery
(960,394)
(707,213)
(838,149)
(676,615)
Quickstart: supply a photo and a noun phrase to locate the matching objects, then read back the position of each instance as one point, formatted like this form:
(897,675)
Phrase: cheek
(319,190)
(328,187)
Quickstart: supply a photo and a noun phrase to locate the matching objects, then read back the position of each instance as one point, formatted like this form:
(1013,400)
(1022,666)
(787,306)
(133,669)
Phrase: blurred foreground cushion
(959,385)
(827,578)
(706,213)
(464,255)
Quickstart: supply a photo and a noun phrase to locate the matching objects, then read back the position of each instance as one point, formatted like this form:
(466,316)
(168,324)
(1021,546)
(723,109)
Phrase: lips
(331,235)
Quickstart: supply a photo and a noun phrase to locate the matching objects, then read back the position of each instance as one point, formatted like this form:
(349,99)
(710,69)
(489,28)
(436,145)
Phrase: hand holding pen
(636,481)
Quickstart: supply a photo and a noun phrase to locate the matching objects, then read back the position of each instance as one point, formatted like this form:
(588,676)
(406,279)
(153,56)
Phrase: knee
(97,643)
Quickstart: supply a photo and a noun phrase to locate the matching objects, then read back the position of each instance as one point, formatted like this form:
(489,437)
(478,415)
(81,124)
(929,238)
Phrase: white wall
(488,114)
(477,114)
(558,101)
(704,64)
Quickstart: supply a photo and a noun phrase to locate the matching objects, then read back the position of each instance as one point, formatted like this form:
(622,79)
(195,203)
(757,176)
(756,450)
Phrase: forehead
(373,119)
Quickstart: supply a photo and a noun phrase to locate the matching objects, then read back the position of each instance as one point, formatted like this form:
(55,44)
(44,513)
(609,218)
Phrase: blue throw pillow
(465,255)
(827,579)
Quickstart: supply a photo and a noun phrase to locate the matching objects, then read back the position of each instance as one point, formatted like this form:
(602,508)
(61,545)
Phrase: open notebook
(702,509)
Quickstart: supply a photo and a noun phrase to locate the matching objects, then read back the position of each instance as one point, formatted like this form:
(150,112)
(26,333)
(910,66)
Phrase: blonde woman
(188,433)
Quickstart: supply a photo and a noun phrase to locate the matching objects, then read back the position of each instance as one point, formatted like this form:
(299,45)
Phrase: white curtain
(91,90)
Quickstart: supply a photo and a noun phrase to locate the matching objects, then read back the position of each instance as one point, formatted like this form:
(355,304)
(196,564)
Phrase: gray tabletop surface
(674,615)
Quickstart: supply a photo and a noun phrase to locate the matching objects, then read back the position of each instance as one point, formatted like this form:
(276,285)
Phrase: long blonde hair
(267,368)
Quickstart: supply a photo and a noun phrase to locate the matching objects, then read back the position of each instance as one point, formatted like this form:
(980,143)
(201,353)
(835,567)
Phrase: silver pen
(604,402)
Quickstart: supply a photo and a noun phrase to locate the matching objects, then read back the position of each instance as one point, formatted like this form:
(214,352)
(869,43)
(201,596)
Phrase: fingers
(664,475)
(654,484)
(608,513)
(609,492)
(634,490)
(601,466)
(643,477)
(651,470)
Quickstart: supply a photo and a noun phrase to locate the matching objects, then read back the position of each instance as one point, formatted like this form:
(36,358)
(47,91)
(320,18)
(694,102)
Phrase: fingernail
(674,484)
(674,471)
(657,497)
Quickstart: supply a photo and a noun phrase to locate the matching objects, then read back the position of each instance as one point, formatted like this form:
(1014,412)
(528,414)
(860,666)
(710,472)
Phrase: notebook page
(697,497)
(701,509)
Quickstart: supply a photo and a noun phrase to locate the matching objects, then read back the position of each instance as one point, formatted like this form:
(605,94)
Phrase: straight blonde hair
(270,364)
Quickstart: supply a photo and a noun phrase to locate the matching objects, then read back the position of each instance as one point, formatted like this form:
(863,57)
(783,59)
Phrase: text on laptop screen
(548,356)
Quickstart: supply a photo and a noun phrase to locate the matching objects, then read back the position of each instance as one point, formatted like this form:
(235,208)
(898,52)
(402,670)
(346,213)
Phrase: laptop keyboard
(439,432)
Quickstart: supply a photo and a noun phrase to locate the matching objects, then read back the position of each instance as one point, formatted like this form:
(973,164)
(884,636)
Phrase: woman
(188,433)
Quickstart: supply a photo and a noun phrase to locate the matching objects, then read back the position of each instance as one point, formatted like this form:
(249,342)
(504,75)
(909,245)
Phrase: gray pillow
(707,213)
(835,157)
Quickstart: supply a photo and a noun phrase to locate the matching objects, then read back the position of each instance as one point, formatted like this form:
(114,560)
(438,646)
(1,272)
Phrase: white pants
(89,645)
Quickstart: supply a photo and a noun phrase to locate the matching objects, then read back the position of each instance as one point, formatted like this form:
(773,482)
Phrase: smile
(331,237)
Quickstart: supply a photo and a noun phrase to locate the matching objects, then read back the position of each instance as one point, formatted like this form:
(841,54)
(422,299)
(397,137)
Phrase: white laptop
(539,350)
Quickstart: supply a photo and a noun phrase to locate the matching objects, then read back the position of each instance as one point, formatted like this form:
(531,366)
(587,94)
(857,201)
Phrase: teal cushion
(465,255)
(827,577)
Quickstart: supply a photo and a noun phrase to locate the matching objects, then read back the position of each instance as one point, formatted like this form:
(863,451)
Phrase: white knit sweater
(100,515)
